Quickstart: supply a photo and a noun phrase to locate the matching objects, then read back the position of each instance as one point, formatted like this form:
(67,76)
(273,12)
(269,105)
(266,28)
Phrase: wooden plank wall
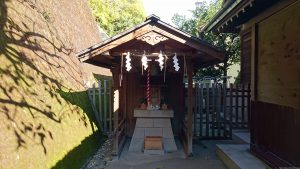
(275,132)
(275,107)
(279,58)
(134,91)
(176,98)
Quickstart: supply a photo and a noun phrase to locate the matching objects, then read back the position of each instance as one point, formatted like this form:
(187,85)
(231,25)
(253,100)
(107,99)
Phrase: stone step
(237,156)
(241,136)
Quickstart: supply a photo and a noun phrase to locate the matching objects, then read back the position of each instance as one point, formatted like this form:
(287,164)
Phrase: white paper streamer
(128,62)
(144,61)
(160,60)
(176,64)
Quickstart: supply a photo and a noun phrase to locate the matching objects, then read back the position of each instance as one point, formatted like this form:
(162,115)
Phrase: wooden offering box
(153,143)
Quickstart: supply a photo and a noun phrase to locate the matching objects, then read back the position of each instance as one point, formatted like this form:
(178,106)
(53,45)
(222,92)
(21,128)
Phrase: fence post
(230,106)
(207,110)
(201,109)
(100,105)
(213,106)
(243,105)
(94,102)
(248,105)
(195,109)
(91,98)
(224,107)
(94,94)
(219,98)
(110,94)
(105,105)
(236,105)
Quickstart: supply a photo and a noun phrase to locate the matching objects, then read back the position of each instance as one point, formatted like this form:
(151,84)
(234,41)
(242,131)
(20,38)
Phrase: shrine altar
(153,123)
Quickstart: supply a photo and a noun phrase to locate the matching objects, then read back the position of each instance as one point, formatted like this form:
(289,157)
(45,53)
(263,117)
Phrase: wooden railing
(118,134)
(218,109)
(100,96)
(238,106)
(111,123)
(184,134)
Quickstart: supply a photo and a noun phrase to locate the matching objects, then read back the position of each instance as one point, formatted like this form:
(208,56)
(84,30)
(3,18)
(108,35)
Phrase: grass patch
(80,99)
(78,156)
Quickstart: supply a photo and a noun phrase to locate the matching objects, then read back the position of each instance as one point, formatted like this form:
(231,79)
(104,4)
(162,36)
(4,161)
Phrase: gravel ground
(101,158)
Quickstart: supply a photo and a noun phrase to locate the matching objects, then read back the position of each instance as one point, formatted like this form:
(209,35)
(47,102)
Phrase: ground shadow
(78,156)
(28,60)
(80,99)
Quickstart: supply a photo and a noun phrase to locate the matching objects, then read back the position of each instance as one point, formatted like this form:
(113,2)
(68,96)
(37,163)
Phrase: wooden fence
(100,96)
(218,109)
(118,133)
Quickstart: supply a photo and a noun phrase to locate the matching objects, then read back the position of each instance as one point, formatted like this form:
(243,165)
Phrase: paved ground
(238,156)
(204,158)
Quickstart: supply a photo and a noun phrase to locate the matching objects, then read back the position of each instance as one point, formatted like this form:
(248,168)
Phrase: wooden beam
(117,42)
(155,52)
(205,63)
(192,43)
(96,63)
(190,108)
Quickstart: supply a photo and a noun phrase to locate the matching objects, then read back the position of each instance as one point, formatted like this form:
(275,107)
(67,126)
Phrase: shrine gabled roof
(152,35)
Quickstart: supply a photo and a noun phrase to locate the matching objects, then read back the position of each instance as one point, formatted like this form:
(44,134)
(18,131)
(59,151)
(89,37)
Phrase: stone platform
(153,123)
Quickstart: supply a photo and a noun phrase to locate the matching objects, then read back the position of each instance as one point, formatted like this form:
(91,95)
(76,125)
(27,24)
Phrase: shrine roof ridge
(152,19)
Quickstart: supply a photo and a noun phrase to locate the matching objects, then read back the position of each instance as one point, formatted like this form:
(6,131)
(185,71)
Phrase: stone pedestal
(153,123)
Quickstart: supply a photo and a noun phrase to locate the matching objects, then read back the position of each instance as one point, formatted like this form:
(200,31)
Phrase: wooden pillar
(116,134)
(124,104)
(115,87)
(190,108)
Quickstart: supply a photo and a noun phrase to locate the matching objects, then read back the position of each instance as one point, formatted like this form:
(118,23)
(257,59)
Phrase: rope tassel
(148,88)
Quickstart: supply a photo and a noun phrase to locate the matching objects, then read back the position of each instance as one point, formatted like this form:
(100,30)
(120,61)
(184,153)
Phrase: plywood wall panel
(279,58)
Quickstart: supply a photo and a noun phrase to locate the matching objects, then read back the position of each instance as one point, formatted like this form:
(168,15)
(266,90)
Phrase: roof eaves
(98,45)
(220,15)
(189,35)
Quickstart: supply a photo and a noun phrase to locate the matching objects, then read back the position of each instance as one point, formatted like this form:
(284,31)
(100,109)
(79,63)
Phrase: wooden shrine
(151,65)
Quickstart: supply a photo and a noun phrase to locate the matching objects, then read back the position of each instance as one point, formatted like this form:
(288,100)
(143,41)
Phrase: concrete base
(237,156)
(153,113)
(157,123)
(153,152)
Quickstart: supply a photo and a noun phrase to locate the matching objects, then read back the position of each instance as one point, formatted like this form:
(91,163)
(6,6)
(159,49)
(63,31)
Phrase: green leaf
(115,16)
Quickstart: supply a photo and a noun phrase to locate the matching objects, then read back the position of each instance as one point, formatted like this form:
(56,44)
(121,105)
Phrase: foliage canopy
(115,16)
(229,42)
